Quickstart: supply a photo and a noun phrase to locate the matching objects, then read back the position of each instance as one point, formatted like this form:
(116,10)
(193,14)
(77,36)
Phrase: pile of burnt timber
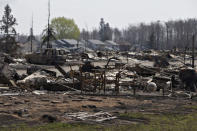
(143,70)
(99,73)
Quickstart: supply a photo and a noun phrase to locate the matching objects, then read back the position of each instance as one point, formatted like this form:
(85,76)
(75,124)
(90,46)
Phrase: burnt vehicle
(48,56)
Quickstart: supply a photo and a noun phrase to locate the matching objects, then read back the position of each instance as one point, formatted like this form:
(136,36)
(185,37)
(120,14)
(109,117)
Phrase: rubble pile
(96,73)
(86,116)
(35,81)
(88,67)
(7,74)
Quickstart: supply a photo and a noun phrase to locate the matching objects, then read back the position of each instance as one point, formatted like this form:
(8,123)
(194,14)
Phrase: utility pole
(49,34)
(48,29)
(193,51)
(185,52)
(87,36)
(31,34)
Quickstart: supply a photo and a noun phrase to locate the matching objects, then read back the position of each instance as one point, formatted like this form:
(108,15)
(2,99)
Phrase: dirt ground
(31,109)
(28,108)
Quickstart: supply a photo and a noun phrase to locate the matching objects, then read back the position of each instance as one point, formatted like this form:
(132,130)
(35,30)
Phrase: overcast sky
(87,13)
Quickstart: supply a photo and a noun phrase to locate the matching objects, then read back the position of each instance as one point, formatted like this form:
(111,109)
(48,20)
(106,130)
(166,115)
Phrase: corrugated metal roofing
(111,42)
(98,42)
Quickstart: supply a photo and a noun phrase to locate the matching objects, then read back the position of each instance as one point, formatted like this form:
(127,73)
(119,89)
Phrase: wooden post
(171,86)
(134,90)
(104,82)
(81,79)
(172,83)
(95,82)
(31,44)
(163,91)
(193,48)
(127,57)
(117,83)
(73,79)
(185,54)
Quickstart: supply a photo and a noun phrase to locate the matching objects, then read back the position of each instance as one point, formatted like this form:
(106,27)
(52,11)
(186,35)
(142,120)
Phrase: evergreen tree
(105,31)
(8,21)
(8,42)
(47,36)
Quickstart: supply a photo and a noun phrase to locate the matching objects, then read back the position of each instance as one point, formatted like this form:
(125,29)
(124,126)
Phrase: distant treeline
(160,35)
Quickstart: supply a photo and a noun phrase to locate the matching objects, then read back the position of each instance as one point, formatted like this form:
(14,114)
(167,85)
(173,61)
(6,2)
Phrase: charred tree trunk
(193,48)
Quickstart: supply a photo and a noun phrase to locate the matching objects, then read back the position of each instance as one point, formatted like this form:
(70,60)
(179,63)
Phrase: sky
(87,13)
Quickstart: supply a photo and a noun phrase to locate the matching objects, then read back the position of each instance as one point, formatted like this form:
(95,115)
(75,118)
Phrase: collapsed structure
(106,72)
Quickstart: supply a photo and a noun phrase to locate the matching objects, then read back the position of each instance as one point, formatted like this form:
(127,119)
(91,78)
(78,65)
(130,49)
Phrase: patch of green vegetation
(53,127)
(164,122)
(194,107)
(147,122)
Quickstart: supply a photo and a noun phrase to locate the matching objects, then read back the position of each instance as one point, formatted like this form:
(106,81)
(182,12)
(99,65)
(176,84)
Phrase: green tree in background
(65,28)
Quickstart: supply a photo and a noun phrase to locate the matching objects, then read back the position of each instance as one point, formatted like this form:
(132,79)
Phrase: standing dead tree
(31,37)
(48,33)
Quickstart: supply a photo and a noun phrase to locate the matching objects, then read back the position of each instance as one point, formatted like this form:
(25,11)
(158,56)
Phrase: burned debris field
(141,78)
(94,95)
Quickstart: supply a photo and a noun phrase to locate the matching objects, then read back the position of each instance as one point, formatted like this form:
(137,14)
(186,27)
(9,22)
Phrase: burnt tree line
(158,35)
